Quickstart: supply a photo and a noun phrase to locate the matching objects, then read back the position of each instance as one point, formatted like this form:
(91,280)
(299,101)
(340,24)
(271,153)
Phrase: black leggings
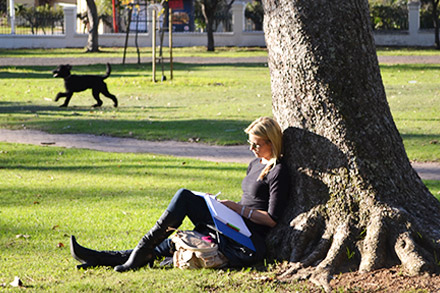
(185,203)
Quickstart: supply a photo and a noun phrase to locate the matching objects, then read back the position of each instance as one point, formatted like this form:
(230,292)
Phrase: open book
(227,221)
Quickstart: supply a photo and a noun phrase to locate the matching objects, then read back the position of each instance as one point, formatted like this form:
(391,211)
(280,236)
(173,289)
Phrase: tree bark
(209,7)
(356,202)
(436,23)
(92,14)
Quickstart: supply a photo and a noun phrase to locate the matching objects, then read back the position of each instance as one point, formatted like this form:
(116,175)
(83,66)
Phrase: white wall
(72,39)
(238,37)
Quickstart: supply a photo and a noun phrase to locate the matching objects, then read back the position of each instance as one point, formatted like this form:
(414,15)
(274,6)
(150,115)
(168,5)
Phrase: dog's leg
(60,95)
(67,100)
(96,96)
(106,93)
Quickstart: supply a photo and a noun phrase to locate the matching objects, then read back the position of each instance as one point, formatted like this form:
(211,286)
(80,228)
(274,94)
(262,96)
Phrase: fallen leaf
(56,226)
(17,282)
(59,245)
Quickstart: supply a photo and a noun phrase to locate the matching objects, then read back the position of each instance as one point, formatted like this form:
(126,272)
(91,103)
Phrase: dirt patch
(386,280)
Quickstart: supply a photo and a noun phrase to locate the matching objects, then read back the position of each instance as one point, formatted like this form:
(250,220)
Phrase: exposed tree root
(390,236)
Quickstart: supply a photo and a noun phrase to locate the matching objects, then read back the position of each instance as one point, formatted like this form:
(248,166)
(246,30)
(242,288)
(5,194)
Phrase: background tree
(356,203)
(209,9)
(432,7)
(254,11)
(93,20)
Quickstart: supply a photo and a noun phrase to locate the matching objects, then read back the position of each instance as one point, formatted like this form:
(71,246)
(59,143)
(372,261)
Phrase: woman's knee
(180,198)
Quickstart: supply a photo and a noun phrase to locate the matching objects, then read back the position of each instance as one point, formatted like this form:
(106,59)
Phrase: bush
(40,17)
(254,11)
(389,17)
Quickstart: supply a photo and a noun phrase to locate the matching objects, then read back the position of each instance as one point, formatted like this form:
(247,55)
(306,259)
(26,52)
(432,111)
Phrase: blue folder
(234,235)
(230,231)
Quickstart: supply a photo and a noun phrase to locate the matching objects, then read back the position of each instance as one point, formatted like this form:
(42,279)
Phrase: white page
(226,215)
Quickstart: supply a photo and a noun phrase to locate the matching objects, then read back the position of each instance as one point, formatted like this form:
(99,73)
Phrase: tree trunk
(436,23)
(92,14)
(209,8)
(356,202)
(210,32)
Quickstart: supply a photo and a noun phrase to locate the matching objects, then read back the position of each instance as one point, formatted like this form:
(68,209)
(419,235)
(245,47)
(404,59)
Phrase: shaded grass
(195,51)
(224,52)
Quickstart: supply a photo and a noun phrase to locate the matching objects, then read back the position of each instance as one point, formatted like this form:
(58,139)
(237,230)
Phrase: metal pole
(12,16)
(170,35)
(115,24)
(153,45)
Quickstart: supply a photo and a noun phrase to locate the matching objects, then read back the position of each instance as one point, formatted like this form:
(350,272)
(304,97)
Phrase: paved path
(430,171)
(240,154)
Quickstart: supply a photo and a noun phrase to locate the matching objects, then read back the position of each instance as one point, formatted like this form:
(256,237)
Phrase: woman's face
(260,147)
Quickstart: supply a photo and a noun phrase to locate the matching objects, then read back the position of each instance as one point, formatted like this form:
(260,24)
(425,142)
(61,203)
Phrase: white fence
(71,39)
(238,37)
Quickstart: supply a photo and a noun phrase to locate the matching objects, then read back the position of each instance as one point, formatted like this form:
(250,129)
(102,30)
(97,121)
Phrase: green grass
(414,98)
(214,103)
(409,51)
(225,52)
(108,201)
(211,102)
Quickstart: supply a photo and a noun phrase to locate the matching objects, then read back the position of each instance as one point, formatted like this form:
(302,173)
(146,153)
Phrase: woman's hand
(256,216)
(230,204)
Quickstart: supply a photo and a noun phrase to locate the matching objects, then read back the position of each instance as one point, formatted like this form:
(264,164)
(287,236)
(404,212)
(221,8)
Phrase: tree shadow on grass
(118,70)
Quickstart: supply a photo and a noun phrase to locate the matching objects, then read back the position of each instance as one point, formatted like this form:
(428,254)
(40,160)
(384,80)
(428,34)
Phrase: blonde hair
(269,130)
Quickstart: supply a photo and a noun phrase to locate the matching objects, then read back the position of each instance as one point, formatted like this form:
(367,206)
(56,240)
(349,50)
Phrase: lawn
(108,201)
(212,103)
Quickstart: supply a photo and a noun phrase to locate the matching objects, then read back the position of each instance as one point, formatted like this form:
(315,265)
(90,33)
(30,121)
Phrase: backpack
(193,252)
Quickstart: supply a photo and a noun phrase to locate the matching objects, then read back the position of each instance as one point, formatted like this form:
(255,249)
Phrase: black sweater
(269,194)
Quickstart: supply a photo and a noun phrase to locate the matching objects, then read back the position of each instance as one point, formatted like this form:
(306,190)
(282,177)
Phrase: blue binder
(229,229)
(234,235)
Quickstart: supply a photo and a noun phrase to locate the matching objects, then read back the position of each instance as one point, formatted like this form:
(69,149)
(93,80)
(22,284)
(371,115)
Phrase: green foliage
(349,253)
(389,15)
(254,11)
(40,17)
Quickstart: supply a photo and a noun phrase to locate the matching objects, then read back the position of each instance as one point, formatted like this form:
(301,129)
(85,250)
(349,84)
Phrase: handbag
(193,251)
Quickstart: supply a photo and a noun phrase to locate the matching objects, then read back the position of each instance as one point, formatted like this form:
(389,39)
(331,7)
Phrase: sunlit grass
(108,201)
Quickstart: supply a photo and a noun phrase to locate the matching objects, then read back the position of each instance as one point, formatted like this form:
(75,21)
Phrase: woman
(265,189)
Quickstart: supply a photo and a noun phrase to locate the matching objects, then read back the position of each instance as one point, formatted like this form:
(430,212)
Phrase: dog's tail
(109,70)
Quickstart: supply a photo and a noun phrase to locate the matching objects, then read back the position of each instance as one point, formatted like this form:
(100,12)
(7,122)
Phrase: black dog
(78,83)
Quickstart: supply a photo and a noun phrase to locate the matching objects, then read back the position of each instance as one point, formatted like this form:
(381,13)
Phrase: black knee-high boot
(92,258)
(144,251)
